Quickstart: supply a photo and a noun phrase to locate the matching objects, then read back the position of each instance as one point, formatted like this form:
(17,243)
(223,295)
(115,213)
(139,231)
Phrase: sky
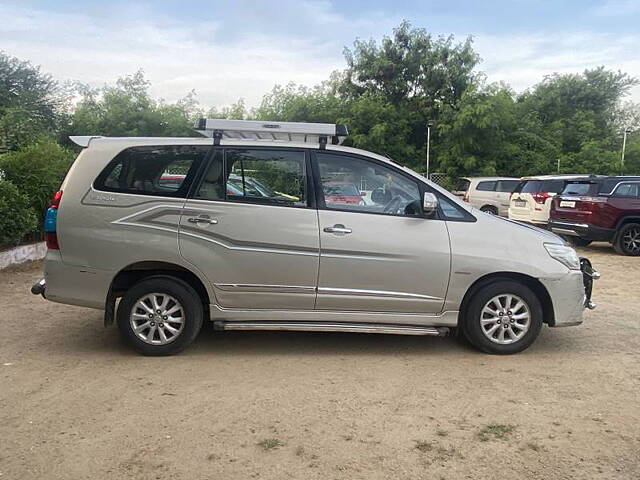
(226,50)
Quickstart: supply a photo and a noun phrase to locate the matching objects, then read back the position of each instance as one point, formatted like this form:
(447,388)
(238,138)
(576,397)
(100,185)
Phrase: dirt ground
(75,403)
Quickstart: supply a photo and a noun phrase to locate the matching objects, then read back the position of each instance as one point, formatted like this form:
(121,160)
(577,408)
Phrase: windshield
(578,188)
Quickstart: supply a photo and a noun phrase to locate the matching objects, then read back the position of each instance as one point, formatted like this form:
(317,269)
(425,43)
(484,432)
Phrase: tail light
(540,197)
(50,222)
(465,198)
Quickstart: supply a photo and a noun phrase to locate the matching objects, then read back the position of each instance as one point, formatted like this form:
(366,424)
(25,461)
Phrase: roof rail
(320,133)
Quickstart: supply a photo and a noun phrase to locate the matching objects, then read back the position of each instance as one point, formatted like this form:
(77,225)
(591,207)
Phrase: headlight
(564,254)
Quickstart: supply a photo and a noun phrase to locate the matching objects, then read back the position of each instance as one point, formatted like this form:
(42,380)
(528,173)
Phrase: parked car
(490,194)
(600,209)
(416,260)
(531,200)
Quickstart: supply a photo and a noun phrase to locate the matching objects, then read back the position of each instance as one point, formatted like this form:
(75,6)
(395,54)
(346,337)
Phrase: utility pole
(430,124)
(624,146)
(558,164)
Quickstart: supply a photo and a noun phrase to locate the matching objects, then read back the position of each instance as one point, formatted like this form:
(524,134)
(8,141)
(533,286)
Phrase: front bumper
(582,230)
(571,294)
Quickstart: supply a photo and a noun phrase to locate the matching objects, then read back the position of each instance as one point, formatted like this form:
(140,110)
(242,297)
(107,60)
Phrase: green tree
(37,170)
(127,109)
(28,103)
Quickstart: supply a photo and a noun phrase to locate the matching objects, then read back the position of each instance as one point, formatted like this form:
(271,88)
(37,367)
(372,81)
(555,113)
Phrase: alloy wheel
(157,318)
(505,319)
(631,240)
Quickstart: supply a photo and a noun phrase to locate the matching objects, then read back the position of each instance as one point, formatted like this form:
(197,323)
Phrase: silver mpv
(275,226)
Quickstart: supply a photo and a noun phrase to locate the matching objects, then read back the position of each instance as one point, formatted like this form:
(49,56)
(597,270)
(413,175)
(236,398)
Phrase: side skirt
(334,327)
(444,319)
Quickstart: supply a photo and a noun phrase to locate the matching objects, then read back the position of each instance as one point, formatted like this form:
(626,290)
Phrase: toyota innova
(241,228)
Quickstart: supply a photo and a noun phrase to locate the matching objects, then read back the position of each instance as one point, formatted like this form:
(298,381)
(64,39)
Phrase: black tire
(472,326)
(192,314)
(628,240)
(489,209)
(577,241)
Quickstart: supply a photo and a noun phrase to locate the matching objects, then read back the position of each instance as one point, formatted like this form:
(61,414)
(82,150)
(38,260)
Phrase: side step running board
(333,327)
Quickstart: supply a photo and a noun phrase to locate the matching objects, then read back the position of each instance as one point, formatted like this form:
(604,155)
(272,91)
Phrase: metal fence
(441,179)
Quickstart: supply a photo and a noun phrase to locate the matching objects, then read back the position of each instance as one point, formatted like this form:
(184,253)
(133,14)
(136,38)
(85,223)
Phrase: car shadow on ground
(99,340)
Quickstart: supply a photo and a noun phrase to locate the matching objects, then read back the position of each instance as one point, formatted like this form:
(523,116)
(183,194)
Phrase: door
(250,228)
(380,254)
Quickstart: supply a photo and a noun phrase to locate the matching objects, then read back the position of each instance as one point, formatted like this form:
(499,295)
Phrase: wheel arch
(135,272)
(548,315)
(625,220)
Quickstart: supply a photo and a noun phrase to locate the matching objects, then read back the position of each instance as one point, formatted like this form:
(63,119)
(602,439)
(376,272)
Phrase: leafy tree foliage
(127,109)
(37,170)
(28,103)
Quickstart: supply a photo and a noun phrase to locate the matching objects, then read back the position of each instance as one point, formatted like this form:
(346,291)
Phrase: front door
(378,252)
(249,227)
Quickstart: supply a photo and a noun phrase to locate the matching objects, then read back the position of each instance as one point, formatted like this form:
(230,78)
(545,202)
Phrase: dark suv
(600,208)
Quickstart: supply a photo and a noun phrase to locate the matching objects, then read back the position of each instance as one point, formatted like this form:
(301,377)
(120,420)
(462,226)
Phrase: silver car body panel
(276,263)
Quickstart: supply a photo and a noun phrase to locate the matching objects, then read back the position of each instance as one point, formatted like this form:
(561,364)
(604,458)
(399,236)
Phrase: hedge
(17,217)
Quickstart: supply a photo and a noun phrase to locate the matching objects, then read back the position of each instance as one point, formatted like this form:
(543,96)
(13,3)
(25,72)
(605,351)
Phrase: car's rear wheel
(577,241)
(628,240)
(160,316)
(489,209)
(503,317)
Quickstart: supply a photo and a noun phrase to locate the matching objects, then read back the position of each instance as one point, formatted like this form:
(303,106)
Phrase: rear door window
(530,186)
(165,170)
(506,185)
(553,186)
(627,190)
(579,188)
(462,185)
(487,186)
(266,176)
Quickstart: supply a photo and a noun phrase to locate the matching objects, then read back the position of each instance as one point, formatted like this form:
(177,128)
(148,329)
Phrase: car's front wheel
(503,317)
(160,316)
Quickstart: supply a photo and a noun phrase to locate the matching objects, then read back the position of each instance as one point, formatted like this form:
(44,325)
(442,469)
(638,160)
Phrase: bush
(17,218)
(37,170)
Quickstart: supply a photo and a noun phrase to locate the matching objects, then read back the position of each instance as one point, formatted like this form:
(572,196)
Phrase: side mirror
(429,203)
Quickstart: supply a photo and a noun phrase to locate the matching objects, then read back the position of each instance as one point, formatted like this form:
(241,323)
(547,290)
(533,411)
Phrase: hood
(546,235)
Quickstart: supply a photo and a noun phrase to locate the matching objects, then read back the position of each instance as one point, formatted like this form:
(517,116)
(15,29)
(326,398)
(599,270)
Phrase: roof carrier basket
(321,133)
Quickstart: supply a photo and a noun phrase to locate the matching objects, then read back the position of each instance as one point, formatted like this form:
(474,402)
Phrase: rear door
(251,227)
(383,256)
(483,194)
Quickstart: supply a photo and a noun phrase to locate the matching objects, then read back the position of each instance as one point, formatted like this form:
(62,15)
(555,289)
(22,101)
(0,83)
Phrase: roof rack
(320,133)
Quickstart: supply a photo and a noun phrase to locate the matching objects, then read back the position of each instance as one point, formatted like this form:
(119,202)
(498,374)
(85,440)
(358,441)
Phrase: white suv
(489,194)
(531,199)
(240,229)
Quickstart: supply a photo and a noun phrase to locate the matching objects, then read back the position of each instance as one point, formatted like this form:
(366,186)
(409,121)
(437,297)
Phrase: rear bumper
(571,294)
(73,285)
(537,218)
(582,230)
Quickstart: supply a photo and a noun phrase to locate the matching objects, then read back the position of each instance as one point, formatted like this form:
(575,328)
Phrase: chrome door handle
(337,228)
(202,219)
